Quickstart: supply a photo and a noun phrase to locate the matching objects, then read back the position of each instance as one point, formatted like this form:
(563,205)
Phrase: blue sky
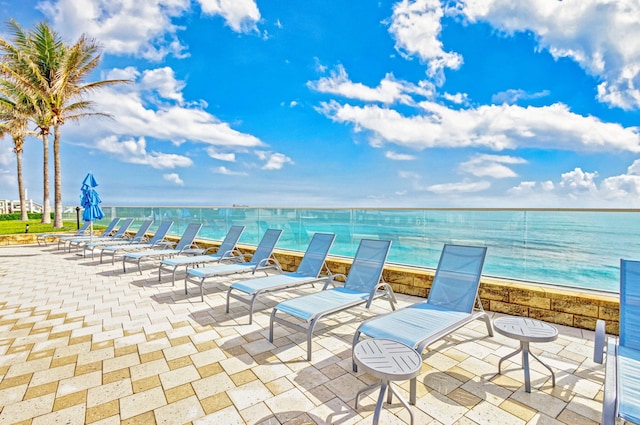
(327,103)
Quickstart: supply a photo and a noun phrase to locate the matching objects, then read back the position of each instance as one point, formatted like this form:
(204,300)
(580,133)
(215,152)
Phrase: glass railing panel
(577,248)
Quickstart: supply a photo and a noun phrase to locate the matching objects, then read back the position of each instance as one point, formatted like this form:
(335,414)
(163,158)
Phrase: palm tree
(14,119)
(54,74)
(19,65)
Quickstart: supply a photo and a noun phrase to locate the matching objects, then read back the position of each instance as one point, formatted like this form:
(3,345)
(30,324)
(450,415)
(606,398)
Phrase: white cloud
(142,28)
(162,81)
(228,172)
(459,187)
(512,96)
(416,28)
(584,190)
(221,156)
(399,156)
(240,15)
(578,181)
(124,27)
(600,35)
(135,152)
(173,178)
(273,161)
(491,166)
(388,91)
(151,108)
(495,127)
(458,98)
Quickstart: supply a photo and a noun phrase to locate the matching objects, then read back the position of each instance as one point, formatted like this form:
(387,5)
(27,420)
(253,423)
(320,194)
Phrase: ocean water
(561,247)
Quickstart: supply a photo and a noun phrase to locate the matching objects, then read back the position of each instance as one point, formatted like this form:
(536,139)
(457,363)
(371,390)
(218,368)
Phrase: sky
(359,103)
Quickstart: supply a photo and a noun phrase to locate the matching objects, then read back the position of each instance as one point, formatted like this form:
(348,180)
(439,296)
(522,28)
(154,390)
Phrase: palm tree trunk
(23,206)
(57,179)
(46,207)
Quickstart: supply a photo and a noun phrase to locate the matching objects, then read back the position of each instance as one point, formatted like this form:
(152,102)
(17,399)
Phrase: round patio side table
(389,361)
(526,330)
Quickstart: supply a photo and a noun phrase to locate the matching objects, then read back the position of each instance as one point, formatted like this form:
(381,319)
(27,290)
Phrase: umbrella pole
(91,231)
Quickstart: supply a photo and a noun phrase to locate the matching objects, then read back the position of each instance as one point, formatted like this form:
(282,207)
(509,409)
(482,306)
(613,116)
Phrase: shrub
(16,216)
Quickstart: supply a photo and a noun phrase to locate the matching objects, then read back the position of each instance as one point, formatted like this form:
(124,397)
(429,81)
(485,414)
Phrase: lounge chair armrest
(211,250)
(242,258)
(331,280)
(268,263)
(599,342)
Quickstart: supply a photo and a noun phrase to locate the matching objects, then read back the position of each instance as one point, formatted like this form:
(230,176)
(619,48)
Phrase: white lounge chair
(362,285)
(107,231)
(42,237)
(452,303)
(226,251)
(184,246)
(156,241)
(308,272)
(261,259)
(124,240)
(118,235)
(622,368)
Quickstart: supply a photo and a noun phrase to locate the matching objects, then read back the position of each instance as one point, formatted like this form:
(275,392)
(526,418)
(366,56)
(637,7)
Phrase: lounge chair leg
(273,314)
(312,326)
(253,299)
(202,290)
(488,322)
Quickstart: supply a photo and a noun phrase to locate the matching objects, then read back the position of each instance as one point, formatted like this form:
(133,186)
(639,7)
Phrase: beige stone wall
(563,306)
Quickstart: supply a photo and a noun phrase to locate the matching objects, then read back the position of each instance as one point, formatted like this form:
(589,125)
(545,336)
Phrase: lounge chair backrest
(188,236)
(82,228)
(231,240)
(162,231)
(123,228)
(630,304)
(455,285)
(317,251)
(110,227)
(266,246)
(368,263)
(142,230)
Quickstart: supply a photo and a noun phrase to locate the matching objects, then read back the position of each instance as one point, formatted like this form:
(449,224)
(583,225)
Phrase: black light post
(77,218)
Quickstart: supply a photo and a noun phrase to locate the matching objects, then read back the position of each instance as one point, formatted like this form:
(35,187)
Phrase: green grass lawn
(12,227)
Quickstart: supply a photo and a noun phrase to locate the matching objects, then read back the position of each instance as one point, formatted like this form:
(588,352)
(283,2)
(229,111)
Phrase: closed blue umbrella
(90,201)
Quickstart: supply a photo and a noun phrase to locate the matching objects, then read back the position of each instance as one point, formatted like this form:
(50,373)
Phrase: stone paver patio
(82,342)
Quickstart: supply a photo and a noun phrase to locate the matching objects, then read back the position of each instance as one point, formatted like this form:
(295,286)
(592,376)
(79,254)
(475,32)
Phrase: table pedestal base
(524,348)
(384,386)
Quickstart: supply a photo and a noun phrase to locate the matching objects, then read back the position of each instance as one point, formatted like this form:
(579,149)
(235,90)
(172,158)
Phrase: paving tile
(109,392)
(14,413)
(179,376)
(79,383)
(227,416)
(74,415)
(180,412)
(249,394)
(140,403)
